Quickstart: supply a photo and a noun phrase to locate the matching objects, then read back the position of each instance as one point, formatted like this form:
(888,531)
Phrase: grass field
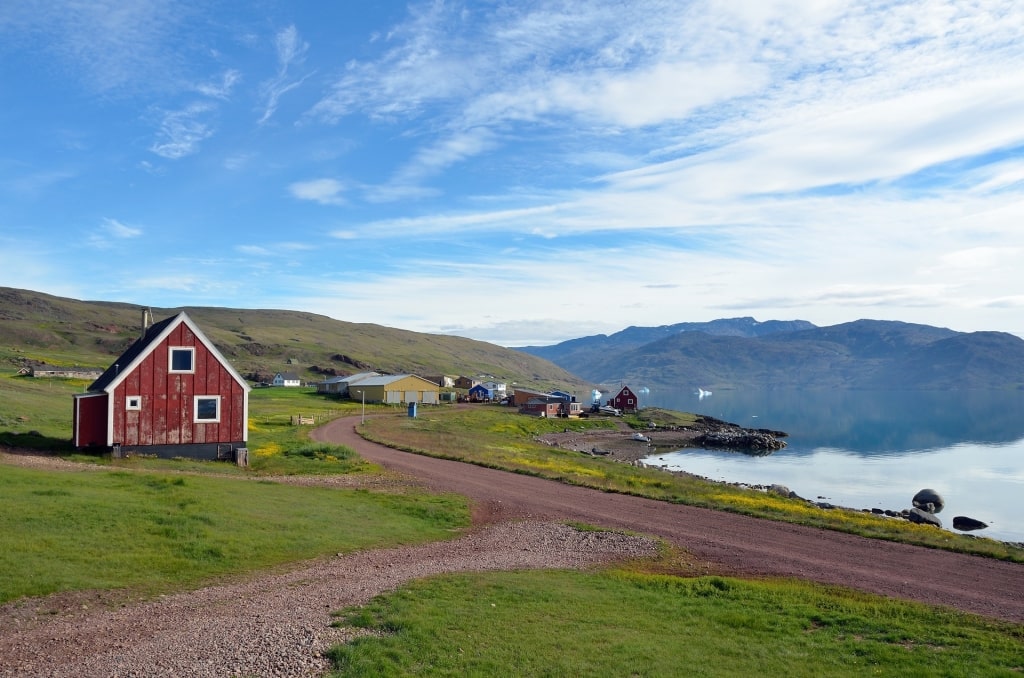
(630,623)
(151,531)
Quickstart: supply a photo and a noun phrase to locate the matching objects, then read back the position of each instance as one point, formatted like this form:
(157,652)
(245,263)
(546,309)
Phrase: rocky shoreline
(624,445)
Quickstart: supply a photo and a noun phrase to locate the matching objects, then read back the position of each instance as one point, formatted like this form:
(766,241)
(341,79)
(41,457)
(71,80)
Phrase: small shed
(171,394)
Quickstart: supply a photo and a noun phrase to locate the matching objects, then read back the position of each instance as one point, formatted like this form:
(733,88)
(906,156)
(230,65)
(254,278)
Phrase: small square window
(207,409)
(182,359)
(133,403)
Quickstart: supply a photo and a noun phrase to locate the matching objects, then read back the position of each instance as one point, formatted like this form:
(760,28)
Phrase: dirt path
(729,542)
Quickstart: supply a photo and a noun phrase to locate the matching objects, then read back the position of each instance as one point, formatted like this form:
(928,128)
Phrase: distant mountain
(577,355)
(741,353)
(37,327)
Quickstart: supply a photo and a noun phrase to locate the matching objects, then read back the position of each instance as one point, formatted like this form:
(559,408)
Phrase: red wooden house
(625,400)
(171,394)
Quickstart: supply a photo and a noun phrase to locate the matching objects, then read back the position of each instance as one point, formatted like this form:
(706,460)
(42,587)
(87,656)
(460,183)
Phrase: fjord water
(873,449)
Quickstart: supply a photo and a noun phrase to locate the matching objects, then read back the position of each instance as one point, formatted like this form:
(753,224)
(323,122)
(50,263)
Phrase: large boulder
(965,524)
(922,517)
(929,500)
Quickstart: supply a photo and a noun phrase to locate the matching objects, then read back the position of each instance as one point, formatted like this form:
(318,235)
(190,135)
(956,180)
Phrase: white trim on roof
(182,317)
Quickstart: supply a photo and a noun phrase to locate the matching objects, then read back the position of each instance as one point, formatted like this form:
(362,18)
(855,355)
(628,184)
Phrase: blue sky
(520,172)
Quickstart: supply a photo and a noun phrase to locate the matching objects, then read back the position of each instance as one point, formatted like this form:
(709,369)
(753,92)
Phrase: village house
(625,400)
(498,389)
(466,383)
(551,405)
(481,393)
(171,394)
(286,379)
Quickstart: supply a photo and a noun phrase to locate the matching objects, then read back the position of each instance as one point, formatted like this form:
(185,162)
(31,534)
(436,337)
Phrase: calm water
(874,449)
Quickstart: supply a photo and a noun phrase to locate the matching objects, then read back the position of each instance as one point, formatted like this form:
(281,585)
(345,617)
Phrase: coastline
(619,445)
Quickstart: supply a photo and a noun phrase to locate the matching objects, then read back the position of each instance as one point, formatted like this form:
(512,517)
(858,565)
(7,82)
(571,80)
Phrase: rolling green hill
(37,327)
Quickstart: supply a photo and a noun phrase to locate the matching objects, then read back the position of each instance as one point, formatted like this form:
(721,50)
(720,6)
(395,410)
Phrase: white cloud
(323,191)
(663,92)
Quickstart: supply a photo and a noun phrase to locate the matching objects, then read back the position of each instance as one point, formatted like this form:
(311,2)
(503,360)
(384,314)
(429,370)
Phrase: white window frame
(195,409)
(170,359)
(133,403)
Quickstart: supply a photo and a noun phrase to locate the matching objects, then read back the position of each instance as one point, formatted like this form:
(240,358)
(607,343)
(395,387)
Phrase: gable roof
(145,345)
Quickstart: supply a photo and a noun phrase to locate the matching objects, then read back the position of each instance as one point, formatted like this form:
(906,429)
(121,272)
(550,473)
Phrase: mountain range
(745,353)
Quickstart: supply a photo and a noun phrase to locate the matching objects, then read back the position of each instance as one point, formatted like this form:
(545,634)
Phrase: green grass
(36,413)
(147,531)
(278,447)
(499,437)
(627,623)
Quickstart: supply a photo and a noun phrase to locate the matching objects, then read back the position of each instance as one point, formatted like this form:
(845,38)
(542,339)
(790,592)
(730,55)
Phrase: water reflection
(865,422)
(876,449)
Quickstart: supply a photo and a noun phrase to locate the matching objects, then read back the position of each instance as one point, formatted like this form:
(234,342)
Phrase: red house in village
(171,394)
(625,400)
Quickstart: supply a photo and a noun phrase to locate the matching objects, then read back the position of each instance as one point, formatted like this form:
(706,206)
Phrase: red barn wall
(90,421)
(166,417)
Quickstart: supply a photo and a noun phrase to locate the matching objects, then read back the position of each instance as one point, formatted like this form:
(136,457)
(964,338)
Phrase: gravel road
(277,624)
(730,543)
(270,624)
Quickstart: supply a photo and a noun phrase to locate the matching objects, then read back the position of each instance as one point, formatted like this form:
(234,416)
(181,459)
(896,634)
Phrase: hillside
(863,354)
(43,328)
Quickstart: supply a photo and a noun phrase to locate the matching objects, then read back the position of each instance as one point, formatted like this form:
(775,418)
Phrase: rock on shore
(619,444)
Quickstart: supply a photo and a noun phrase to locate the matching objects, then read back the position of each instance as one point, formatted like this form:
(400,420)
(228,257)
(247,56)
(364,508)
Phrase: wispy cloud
(181,132)
(110,46)
(223,88)
(291,51)
(110,231)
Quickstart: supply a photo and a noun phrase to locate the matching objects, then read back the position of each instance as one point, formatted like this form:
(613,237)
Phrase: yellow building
(395,389)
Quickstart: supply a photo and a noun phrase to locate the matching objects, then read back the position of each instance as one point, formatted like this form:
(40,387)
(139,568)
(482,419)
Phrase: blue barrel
(412,409)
